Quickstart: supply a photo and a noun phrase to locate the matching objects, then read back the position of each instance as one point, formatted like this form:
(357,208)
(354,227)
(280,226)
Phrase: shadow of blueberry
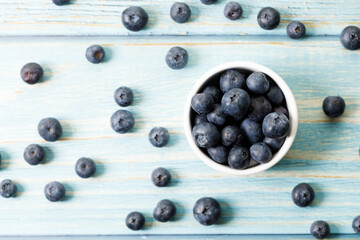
(319,195)
(100,169)
(138,97)
(180,212)
(226,212)
(173,139)
(67,130)
(194,14)
(4,160)
(108,54)
(19,189)
(149,221)
(47,74)
(49,155)
(174,178)
(69,192)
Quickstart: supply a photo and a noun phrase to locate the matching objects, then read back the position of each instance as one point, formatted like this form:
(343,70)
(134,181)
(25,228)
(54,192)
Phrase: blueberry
(7,188)
(275,95)
(260,152)
(176,58)
(320,229)
(208,2)
(257,83)
(206,135)
(200,118)
(217,117)
(275,125)
(160,177)
(85,167)
(296,30)
(50,129)
(207,211)
(239,158)
(303,194)
(202,103)
(235,103)
(233,10)
(356,224)
(231,79)
(252,131)
(350,38)
(31,73)
(274,143)
(122,121)
(214,92)
(281,109)
(219,154)
(259,108)
(95,54)
(159,136)
(231,135)
(34,154)
(164,211)
(268,18)
(334,106)
(54,191)
(134,18)
(180,12)
(61,2)
(135,221)
(124,96)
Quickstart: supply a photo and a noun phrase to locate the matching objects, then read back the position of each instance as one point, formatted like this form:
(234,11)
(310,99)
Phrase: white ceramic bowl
(249,67)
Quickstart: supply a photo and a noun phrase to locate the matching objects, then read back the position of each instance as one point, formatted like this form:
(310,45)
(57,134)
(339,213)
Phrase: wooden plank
(103,17)
(79,94)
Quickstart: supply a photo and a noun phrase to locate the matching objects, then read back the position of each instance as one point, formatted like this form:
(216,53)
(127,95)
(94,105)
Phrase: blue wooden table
(325,153)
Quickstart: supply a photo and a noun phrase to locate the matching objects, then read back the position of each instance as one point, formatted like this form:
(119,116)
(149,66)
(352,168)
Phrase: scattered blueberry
(275,95)
(206,135)
(164,211)
(124,96)
(231,135)
(159,136)
(239,158)
(207,211)
(350,38)
(122,121)
(202,103)
(320,229)
(7,188)
(260,152)
(135,221)
(268,18)
(259,108)
(208,2)
(252,131)
(296,30)
(134,18)
(95,54)
(303,194)
(334,106)
(235,103)
(257,83)
(217,116)
(214,92)
(31,73)
(180,12)
(61,2)
(85,167)
(34,154)
(219,154)
(275,125)
(274,143)
(160,177)
(176,58)
(50,129)
(231,79)
(54,191)
(200,118)
(233,10)
(281,109)
(356,224)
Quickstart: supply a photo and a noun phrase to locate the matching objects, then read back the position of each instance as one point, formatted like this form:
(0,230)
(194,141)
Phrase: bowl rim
(290,103)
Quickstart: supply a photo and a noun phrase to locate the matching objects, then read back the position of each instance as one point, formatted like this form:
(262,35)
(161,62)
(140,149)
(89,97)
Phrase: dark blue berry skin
(233,11)
(50,129)
(31,73)
(207,211)
(239,157)
(176,58)
(54,191)
(180,12)
(7,188)
(334,106)
(159,136)
(235,103)
(231,79)
(281,109)
(260,152)
(320,229)
(122,121)
(208,2)
(135,221)
(231,135)
(219,154)
(206,135)
(274,143)
(95,54)
(85,167)
(214,92)
(160,177)
(217,117)
(124,96)
(350,38)
(356,224)
(134,18)
(259,108)
(61,2)
(302,194)
(296,30)
(252,131)
(275,125)
(34,154)
(164,211)
(202,103)
(200,118)
(268,18)
(257,83)
(275,95)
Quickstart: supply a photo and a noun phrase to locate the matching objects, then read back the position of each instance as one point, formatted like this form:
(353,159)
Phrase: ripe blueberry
(122,121)
(61,2)
(207,211)
(202,103)
(257,83)
(214,92)
(239,158)
(31,73)
(274,143)
(164,211)
(85,167)
(334,106)
(350,38)
(208,2)
(233,10)
(176,58)
(275,125)
(206,135)
(34,154)
(50,129)
(180,12)
(95,54)
(268,18)
(231,79)
(296,30)
(320,229)
(124,96)
(219,154)
(231,135)
(252,131)
(217,116)
(134,18)
(7,188)
(159,136)
(160,177)
(200,118)
(54,191)
(356,224)
(303,194)
(260,152)
(281,109)
(259,108)
(135,221)
(275,95)
(235,103)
